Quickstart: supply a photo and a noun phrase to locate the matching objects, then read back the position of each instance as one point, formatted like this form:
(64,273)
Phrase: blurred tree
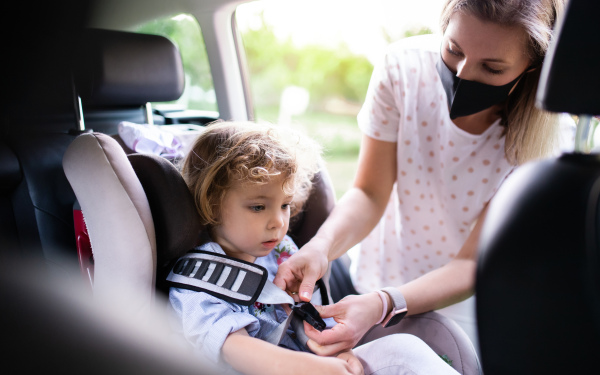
(275,64)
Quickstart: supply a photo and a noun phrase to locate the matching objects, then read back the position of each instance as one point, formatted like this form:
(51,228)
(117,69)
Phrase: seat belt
(243,283)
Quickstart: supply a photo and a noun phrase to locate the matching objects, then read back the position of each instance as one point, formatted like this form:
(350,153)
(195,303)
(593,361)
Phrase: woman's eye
(493,71)
(452,52)
(257,208)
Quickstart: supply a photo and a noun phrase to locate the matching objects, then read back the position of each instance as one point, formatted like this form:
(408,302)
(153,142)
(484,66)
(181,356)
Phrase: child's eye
(285,206)
(257,208)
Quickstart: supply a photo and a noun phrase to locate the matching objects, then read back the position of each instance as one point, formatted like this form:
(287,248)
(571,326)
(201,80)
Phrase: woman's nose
(463,69)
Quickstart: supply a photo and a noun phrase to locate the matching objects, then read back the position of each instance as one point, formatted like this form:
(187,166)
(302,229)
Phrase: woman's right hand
(300,272)
(354,314)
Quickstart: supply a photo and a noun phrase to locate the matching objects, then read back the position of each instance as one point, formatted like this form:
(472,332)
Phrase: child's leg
(401,354)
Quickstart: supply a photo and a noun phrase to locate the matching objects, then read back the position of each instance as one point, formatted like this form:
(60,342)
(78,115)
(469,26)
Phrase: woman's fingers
(300,272)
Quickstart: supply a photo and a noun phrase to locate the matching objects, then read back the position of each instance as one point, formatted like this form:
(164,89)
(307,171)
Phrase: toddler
(248,180)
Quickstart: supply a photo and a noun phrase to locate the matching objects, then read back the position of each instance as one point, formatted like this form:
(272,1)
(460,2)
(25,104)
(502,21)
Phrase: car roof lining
(127,14)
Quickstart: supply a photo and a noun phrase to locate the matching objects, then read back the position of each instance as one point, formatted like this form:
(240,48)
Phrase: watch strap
(399,308)
(384,302)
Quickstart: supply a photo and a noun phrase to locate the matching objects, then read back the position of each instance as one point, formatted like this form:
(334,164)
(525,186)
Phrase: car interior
(79,71)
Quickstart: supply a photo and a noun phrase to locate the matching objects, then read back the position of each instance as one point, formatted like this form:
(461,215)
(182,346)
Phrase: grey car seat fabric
(118,217)
(442,334)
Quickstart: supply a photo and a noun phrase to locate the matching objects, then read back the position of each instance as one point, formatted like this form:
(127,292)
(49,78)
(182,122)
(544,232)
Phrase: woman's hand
(355,315)
(301,271)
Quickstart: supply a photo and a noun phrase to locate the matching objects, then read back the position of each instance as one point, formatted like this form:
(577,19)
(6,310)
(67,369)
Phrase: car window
(185,32)
(314,75)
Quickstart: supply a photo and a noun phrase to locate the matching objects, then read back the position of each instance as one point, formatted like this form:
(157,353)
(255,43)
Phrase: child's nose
(277,220)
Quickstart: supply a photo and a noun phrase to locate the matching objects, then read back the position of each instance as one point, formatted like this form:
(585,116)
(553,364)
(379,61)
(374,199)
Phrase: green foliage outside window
(275,64)
(184,31)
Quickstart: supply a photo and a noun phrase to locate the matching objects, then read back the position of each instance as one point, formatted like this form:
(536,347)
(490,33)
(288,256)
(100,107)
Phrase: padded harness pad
(230,279)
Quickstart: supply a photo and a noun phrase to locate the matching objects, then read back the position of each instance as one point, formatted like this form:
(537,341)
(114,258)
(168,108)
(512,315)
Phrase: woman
(445,121)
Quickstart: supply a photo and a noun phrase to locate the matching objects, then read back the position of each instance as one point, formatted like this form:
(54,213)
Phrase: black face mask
(468,97)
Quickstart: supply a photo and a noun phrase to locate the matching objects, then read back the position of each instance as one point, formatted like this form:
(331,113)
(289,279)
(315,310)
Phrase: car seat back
(117,216)
(11,176)
(538,277)
(141,216)
(37,120)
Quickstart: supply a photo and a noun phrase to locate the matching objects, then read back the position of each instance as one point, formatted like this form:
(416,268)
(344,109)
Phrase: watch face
(395,318)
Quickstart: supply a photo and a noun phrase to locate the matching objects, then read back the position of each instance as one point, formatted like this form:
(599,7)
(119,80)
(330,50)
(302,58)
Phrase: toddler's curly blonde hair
(227,153)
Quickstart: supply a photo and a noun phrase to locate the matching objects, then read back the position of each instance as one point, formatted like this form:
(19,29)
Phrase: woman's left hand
(355,315)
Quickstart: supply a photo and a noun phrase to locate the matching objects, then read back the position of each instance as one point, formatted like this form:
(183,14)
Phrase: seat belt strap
(243,283)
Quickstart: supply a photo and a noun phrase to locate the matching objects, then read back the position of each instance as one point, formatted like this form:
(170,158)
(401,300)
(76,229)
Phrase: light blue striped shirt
(206,321)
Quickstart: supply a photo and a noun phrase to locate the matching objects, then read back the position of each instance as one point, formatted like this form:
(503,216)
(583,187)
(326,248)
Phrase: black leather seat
(37,117)
(538,278)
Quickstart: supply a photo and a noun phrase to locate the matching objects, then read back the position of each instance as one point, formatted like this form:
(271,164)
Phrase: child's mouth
(270,244)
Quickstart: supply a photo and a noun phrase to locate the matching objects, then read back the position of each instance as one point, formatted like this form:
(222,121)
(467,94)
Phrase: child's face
(254,219)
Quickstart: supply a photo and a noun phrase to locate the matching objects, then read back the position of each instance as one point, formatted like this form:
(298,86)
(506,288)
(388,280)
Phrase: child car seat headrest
(176,221)
(138,210)
(124,69)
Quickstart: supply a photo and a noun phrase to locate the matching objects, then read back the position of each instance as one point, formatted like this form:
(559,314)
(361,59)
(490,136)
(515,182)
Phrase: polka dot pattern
(445,175)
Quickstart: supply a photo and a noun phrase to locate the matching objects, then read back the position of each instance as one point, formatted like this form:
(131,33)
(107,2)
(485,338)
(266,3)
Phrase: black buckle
(309,314)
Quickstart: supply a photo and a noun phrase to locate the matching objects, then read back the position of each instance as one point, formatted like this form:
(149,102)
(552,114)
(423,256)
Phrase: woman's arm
(442,287)
(449,284)
(352,219)
(250,355)
(360,209)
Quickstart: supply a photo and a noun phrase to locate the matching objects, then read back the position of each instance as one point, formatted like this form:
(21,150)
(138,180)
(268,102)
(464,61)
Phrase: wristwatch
(399,309)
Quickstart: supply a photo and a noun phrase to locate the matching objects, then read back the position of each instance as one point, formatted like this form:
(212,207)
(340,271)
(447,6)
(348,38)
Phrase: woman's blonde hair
(531,133)
(227,153)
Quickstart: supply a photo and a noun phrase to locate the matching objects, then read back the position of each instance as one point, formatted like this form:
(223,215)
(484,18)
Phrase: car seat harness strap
(243,283)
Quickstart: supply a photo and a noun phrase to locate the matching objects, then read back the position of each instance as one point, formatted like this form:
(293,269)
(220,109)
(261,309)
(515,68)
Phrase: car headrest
(570,78)
(118,68)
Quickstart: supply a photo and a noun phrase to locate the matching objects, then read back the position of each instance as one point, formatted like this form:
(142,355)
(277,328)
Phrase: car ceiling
(127,14)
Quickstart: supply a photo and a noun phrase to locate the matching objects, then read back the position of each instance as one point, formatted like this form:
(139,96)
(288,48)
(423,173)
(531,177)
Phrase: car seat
(538,276)
(37,126)
(140,217)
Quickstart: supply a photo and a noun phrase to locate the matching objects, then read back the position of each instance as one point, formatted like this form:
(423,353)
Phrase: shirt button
(293,335)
